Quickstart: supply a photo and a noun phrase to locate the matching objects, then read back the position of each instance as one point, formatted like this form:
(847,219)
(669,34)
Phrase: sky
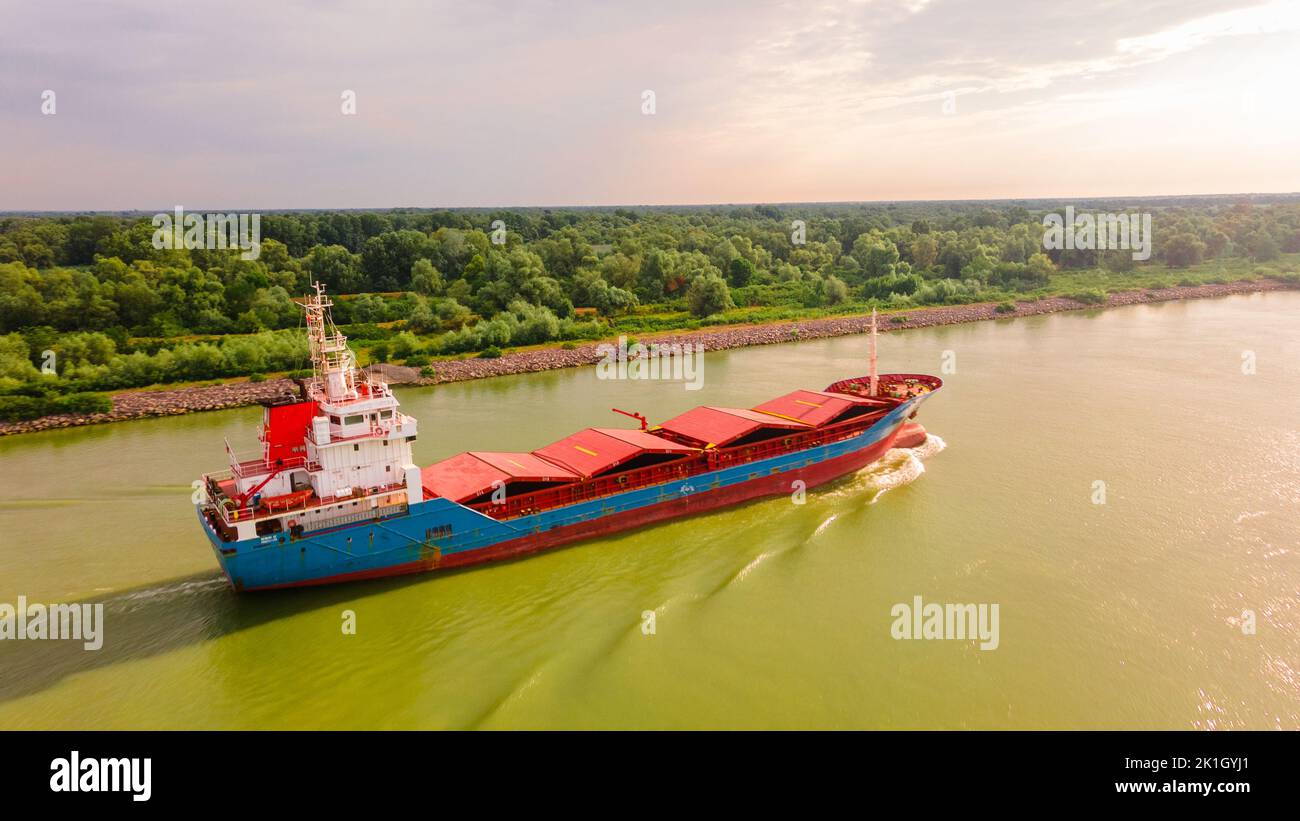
(478,104)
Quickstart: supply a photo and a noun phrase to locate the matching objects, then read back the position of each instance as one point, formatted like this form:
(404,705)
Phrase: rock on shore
(140,404)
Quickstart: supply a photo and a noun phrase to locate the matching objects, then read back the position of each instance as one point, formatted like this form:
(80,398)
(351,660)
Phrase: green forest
(89,305)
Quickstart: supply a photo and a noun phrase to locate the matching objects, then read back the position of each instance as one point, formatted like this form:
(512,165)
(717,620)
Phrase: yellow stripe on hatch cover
(782,416)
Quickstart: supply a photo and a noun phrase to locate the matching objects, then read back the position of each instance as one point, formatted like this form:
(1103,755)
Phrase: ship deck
(699,441)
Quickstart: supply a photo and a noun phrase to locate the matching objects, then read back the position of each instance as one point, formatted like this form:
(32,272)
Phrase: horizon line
(615,206)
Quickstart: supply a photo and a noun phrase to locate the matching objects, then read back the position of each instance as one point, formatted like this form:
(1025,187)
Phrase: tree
(135,298)
(877,255)
(656,275)
(890,284)
(1020,242)
(1216,243)
(366,308)
(835,290)
(954,255)
(84,236)
(388,258)
(136,243)
(191,298)
(620,270)
(590,290)
(1118,260)
(273,308)
(426,279)
(564,251)
(708,294)
(14,361)
(740,272)
(1183,250)
(1040,267)
(20,302)
(422,319)
(452,314)
(925,250)
(84,348)
(1262,247)
(275,256)
(548,293)
(336,267)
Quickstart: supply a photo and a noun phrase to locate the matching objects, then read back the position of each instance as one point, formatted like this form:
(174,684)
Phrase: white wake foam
(898,467)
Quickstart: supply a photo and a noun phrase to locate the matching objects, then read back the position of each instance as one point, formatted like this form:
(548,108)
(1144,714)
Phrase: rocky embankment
(724,337)
(140,404)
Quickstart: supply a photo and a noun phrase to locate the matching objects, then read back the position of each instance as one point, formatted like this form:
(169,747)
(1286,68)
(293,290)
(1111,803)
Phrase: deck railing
(230,513)
(260,467)
(903,384)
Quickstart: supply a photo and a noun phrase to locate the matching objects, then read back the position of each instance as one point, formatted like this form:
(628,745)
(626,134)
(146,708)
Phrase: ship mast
(875,379)
(333,367)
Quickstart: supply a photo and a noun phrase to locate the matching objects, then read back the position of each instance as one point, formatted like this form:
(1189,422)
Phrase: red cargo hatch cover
(807,406)
(596,450)
(647,442)
(718,426)
(471,474)
(874,401)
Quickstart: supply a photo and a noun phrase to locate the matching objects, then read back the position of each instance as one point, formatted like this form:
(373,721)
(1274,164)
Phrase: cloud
(501,103)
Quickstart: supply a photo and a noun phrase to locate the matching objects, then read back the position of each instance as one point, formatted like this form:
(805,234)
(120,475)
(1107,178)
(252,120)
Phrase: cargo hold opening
(644,460)
(513,490)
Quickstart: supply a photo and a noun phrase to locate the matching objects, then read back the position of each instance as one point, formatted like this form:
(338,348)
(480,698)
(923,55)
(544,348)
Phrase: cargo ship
(333,494)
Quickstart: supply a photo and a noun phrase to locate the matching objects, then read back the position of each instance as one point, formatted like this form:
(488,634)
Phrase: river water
(1166,597)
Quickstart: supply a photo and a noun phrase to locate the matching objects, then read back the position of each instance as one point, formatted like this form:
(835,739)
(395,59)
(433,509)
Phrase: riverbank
(147,403)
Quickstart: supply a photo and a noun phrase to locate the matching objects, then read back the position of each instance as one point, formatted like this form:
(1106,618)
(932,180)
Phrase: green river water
(1125,614)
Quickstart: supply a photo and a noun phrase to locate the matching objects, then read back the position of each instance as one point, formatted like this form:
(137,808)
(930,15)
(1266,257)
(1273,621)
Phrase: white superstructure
(360,439)
(341,453)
